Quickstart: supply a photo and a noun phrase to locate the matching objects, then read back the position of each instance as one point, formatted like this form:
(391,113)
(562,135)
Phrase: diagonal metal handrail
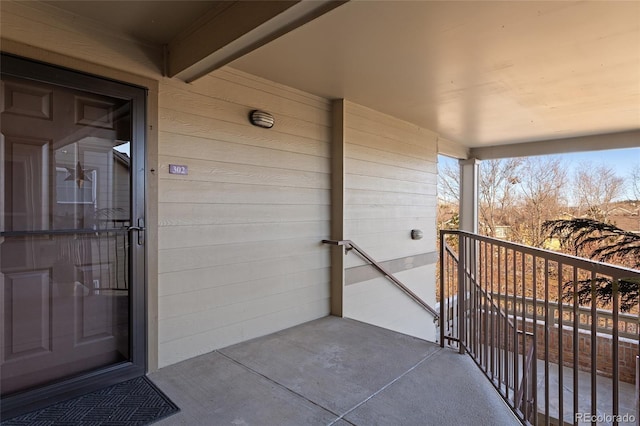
(472,279)
(498,309)
(522,401)
(348,244)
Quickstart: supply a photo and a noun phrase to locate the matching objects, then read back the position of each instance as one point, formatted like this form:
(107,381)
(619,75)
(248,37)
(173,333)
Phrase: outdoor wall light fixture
(261,119)
(416,234)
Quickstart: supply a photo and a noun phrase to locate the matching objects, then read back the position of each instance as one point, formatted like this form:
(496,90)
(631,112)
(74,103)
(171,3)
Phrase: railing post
(462,259)
(637,390)
(442,295)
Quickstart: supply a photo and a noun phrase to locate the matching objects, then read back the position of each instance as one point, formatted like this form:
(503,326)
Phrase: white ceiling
(479,73)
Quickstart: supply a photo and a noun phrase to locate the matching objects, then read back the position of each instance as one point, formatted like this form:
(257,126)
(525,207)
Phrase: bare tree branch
(449,183)
(596,188)
(497,192)
(635,181)
(542,197)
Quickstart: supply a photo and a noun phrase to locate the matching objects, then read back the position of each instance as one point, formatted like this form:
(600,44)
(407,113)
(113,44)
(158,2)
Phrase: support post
(469,223)
(469,195)
(337,206)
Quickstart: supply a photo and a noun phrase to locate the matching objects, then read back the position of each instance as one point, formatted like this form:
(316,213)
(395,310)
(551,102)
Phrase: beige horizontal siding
(206,235)
(203,214)
(192,258)
(239,236)
(208,127)
(380,303)
(390,189)
(380,211)
(207,170)
(181,307)
(176,191)
(203,105)
(368,197)
(183,146)
(357,166)
(236,86)
(49,28)
(390,153)
(242,269)
(249,327)
(362,226)
(390,184)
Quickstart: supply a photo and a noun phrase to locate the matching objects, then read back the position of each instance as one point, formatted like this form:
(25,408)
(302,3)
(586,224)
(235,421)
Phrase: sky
(124,148)
(622,161)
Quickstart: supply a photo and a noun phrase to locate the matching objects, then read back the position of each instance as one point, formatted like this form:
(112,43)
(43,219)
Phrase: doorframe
(40,397)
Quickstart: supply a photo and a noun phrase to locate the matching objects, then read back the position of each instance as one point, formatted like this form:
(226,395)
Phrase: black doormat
(134,402)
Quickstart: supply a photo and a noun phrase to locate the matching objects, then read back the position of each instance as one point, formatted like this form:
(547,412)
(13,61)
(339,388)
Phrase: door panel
(26,177)
(65,251)
(28,100)
(28,315)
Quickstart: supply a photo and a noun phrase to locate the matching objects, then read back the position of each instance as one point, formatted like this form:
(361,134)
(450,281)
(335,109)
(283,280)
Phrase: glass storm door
(70,249)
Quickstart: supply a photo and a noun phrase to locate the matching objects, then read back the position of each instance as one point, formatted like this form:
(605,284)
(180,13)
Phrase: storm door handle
(140,229)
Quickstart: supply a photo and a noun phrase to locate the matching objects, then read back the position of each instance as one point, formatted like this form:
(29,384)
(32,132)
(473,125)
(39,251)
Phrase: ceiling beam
(234,28)
(601,142)
(452,149)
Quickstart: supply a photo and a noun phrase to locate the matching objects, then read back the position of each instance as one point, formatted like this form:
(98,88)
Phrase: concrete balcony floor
(332,371)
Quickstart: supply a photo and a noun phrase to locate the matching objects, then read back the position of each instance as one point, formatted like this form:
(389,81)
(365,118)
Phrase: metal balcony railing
(554,358)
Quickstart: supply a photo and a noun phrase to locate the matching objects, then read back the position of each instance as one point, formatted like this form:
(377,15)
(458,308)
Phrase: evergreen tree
(605,243)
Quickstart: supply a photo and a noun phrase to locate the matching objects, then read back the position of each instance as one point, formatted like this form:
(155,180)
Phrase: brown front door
(65,244)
